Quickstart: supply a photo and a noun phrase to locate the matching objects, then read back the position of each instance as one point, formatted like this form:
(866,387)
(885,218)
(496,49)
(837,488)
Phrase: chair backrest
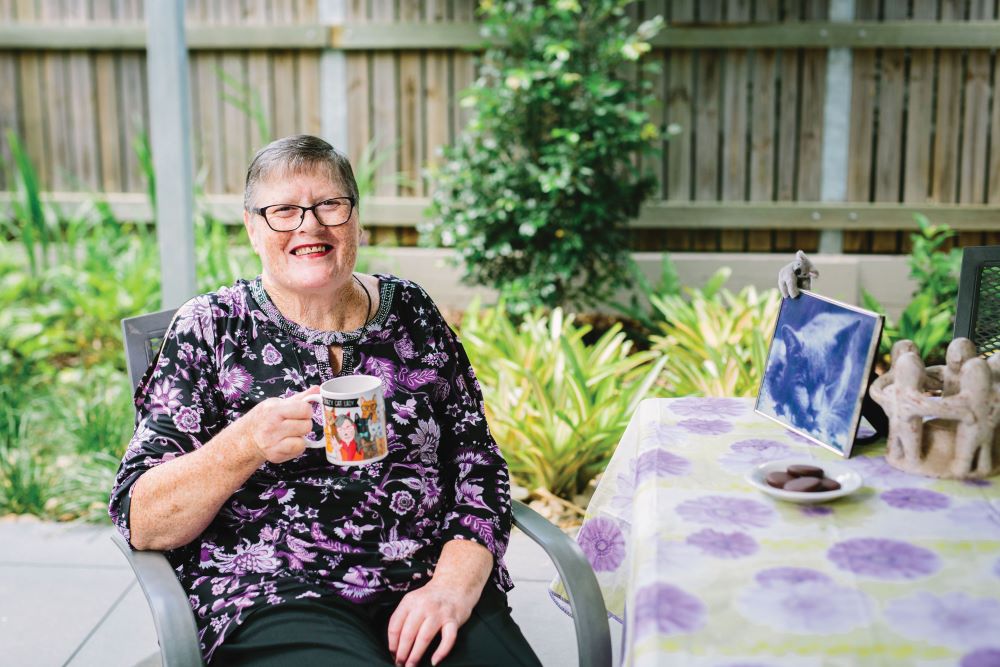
(143,336)
(977,311)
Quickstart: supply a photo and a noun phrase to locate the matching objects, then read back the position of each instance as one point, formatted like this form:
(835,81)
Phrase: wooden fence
(747,82)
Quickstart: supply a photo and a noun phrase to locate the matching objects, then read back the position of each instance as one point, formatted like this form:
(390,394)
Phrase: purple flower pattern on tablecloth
(982,657)
(978,483)
(723,545)
(799,438)
(659,462)
(807,607)
(787,576)
(815,510)
(603,543)
(977,517)
(996,567)
(877,472)
(624,490)
(884,559)
(666,609)
(708,407)
(916,500)
(664,435)
(748,453)
(706,426)
(654,463)
(726,511)
(957,620)
(673,556)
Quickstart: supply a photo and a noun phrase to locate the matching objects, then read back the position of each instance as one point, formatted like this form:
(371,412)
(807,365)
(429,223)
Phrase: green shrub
(535,195)
(26,476)
(556,405)
(928,320)
(714,341)
(66,281)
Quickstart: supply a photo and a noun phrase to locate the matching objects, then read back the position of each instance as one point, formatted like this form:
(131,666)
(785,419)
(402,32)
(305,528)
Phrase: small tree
(536,194)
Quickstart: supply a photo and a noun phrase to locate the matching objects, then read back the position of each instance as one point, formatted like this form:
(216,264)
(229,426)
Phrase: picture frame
(818,368)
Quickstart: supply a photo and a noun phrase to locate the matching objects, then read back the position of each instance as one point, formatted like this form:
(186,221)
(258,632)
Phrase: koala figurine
(796,275)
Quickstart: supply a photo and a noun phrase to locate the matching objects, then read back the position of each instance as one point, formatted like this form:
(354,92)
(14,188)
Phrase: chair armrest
(175,627)
(593,638)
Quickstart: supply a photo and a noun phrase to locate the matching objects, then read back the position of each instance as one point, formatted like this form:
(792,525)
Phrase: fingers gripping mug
(353,420)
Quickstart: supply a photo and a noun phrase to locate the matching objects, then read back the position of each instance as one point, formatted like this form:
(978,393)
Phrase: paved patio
(68,598)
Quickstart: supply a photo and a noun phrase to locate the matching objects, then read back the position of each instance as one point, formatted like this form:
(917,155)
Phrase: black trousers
(333,631)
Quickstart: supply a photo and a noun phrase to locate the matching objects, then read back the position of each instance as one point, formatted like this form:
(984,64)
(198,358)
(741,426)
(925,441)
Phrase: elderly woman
(286,558)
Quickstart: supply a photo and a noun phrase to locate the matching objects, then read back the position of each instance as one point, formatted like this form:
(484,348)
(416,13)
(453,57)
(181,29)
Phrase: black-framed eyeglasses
(289,217)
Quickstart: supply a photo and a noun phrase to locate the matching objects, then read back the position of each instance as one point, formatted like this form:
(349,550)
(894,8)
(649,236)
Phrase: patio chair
(174,619)
(977,311)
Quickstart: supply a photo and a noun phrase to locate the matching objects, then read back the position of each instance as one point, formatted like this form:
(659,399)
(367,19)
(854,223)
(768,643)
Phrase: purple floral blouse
(306,528)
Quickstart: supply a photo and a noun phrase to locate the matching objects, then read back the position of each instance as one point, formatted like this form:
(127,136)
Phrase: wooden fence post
(836,127)
(333,81)
(170,135)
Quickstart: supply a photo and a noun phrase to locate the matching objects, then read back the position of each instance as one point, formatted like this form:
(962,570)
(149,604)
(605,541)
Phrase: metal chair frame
(172,614)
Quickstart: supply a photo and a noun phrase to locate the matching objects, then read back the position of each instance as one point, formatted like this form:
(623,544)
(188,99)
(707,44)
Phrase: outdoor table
(703,569)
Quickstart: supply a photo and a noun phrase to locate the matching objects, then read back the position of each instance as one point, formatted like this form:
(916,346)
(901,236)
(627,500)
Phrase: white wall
(842,277)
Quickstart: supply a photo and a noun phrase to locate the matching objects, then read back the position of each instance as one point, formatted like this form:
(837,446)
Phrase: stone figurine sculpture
(942,420)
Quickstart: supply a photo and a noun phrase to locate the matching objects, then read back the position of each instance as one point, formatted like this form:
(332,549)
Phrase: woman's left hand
(440,606)
(421,615)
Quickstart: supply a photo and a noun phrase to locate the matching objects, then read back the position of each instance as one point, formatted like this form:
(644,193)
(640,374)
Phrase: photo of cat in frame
(818,368)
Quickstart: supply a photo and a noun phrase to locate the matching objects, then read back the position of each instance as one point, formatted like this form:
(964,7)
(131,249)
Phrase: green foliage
(935,271)
(536,193)
(639,308)
(34,229)
(95,410)
(25,478)
(222,253)
(714,341)
(556,405)
(928,320)
(66,281)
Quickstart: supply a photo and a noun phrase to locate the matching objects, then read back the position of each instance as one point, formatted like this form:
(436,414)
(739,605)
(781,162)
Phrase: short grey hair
(298,154)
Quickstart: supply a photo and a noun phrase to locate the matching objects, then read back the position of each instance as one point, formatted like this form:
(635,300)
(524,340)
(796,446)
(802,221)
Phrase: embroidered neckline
(387,289)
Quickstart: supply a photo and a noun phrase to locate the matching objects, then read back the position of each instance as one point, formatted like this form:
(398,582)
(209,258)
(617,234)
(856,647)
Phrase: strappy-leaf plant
(714,342)
(556,405)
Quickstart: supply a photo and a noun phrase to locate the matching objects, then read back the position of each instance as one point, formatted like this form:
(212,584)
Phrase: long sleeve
(474,470)
(176,406)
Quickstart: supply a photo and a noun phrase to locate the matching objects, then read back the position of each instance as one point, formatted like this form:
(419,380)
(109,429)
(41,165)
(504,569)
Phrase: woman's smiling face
(313,258)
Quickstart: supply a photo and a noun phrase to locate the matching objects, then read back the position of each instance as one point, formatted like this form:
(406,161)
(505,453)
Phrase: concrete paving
(68,599)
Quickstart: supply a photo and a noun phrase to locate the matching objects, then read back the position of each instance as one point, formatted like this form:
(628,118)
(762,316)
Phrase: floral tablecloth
(703,569)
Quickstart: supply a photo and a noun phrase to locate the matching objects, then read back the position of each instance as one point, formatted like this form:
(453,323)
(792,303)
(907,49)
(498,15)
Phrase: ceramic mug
(353,420)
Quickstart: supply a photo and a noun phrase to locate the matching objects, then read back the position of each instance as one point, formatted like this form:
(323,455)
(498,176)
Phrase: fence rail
(409,211)
(465,35)
(746,82)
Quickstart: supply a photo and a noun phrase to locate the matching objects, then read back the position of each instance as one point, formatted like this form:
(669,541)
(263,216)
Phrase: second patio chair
(977,311)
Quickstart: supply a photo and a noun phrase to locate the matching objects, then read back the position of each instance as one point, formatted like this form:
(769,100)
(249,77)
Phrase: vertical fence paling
(923,122)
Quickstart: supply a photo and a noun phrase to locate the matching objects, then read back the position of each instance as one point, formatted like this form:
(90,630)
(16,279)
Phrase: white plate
(850,481)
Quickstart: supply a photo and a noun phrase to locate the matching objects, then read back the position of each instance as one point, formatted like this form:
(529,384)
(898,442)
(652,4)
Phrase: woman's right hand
(276,427)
